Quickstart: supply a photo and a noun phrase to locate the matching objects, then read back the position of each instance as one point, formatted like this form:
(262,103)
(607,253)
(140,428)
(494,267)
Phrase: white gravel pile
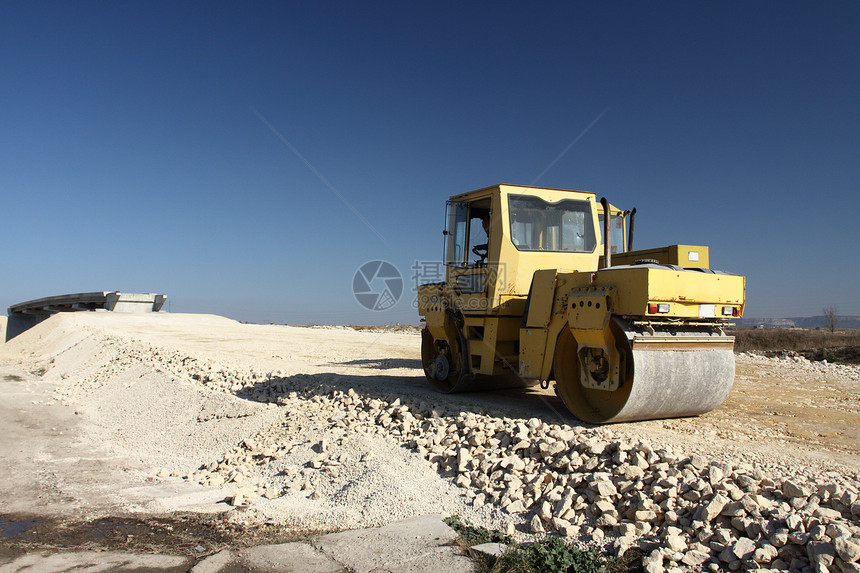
(306,450)
(802,364)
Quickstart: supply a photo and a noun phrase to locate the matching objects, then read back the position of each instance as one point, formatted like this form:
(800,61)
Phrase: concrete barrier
(25,315)
(133,302)
(19,322)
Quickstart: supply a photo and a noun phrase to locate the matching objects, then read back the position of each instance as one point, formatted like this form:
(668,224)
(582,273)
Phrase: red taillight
(658,308)
(731,311)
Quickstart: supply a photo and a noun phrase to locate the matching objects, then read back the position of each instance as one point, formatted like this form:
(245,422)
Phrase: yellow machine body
(530,301)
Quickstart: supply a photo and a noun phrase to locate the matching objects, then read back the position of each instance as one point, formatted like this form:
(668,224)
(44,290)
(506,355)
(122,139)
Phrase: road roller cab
(531,295)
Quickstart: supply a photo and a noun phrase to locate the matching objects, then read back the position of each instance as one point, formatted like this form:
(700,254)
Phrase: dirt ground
(780,412)
(72,479)
(778,405)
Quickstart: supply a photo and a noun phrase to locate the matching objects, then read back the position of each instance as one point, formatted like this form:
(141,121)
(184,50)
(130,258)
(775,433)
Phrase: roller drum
(447,369)
(676,383)
(685,373)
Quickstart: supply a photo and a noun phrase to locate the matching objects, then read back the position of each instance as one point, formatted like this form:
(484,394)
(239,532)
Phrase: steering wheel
(481,251)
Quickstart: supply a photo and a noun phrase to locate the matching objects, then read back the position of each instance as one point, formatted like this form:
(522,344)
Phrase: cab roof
(486,191)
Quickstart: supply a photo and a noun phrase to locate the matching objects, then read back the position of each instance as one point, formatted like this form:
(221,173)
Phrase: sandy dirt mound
(171,396)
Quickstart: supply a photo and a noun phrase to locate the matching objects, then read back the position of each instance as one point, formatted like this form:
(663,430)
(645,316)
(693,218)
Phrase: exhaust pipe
(630,233)
(607,241)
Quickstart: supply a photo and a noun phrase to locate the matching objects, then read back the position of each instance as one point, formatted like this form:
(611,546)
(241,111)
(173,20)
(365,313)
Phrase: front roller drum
(663,376)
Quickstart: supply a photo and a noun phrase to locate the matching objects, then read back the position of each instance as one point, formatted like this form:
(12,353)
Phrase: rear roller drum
(444,362)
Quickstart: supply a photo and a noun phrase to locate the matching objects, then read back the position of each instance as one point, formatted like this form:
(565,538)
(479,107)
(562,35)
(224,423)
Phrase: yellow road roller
(543,285)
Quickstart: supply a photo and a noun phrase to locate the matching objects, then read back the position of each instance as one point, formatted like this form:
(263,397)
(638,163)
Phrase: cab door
(467,251)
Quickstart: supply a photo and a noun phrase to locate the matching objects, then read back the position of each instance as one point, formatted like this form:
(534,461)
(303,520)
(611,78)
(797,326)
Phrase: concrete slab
(287,558)
(215,563)
(417,545)
(95,561)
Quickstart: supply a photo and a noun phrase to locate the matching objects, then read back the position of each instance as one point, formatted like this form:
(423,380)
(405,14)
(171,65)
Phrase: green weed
(548,555)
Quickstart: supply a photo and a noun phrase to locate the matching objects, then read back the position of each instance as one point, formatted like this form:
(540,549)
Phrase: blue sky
(157,146)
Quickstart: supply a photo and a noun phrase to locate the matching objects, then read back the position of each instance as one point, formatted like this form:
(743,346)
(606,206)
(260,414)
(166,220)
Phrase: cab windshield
(538,225)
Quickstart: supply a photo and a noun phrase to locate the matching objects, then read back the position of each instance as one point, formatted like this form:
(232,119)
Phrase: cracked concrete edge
(417,545)
(215,562)
(96,561)
(423,544)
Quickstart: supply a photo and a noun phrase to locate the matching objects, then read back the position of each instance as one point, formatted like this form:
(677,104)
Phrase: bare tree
(831,316)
